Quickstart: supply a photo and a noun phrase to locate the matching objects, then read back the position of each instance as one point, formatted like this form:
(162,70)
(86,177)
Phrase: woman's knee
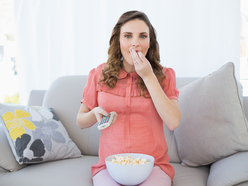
(103,178)
(157,178)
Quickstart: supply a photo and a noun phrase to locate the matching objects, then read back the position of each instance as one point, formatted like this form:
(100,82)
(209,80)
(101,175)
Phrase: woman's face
(134,33)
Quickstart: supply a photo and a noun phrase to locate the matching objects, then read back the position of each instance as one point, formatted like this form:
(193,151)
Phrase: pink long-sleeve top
(138,128)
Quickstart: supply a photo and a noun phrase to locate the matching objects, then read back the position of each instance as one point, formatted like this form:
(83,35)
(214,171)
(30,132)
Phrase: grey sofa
(64,97)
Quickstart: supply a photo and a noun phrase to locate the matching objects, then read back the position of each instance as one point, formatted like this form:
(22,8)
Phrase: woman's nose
(135,43)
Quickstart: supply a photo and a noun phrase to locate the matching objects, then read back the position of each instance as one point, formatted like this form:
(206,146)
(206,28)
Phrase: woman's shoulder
(169,71)
(100,66)
(97,70)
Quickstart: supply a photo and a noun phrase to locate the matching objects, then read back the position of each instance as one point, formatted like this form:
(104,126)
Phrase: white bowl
(130,174)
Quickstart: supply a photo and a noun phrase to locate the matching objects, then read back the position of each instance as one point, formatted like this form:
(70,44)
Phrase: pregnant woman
(143,94)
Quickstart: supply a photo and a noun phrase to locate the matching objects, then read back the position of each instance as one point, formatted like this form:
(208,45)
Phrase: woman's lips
(135,51)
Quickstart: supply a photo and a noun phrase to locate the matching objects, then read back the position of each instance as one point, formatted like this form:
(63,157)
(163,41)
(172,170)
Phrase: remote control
(106,121)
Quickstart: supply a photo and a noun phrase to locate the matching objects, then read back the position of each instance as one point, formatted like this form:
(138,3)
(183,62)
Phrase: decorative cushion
(35,134)
(231,170)
(213,123)
(7,159)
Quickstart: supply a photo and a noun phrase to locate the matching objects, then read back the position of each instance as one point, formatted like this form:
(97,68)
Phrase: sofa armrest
(2,170)
(231,170)
(36,97)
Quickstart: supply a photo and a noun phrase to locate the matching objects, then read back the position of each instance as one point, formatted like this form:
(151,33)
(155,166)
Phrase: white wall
(67,37)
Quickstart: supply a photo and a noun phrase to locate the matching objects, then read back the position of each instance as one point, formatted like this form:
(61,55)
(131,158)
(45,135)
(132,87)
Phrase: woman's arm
(87,118)
(168,110)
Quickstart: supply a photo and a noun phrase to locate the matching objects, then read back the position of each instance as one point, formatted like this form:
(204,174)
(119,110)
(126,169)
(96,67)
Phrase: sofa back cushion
(64,96)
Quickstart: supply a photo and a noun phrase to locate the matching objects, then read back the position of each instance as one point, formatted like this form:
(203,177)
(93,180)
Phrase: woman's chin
(129,62)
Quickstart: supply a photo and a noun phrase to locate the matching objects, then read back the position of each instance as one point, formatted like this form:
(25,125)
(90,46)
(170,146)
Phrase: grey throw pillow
(35,134)
(213,124)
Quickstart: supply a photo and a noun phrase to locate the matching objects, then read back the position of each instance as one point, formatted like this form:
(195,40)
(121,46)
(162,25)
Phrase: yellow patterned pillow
(36,135)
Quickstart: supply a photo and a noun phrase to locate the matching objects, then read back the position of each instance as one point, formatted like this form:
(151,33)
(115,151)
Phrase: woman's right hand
(99,113)
(87,118)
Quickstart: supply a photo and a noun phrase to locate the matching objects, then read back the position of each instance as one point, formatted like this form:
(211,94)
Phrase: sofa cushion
(190,176)
(67,172)
(70,89)
(36,134)
(172,146)
(229,171)
(213,124)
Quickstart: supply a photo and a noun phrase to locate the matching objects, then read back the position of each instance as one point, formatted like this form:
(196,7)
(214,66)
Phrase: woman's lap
(157,178)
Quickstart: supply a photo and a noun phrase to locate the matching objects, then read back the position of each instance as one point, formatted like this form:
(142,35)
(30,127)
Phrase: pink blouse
(138,128)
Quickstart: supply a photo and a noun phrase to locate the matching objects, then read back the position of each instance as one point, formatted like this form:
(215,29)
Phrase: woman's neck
(128,68)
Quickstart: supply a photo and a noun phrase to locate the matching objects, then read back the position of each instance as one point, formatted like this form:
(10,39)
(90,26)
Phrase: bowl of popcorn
(129,168)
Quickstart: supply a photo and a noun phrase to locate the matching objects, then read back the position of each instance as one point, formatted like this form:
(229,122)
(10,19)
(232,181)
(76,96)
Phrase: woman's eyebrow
(127,33)
(132,33)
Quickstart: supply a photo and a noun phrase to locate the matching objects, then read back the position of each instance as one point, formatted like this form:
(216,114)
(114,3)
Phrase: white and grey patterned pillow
(36,134)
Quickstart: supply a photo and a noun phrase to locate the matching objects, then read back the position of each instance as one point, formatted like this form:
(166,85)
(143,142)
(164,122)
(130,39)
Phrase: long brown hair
(111,70)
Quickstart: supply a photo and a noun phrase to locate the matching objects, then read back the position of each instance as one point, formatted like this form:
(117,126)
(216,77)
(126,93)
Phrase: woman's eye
(128,36)
(143,36)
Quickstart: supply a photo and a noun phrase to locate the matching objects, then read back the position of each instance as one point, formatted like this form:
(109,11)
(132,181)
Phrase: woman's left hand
(141,64)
